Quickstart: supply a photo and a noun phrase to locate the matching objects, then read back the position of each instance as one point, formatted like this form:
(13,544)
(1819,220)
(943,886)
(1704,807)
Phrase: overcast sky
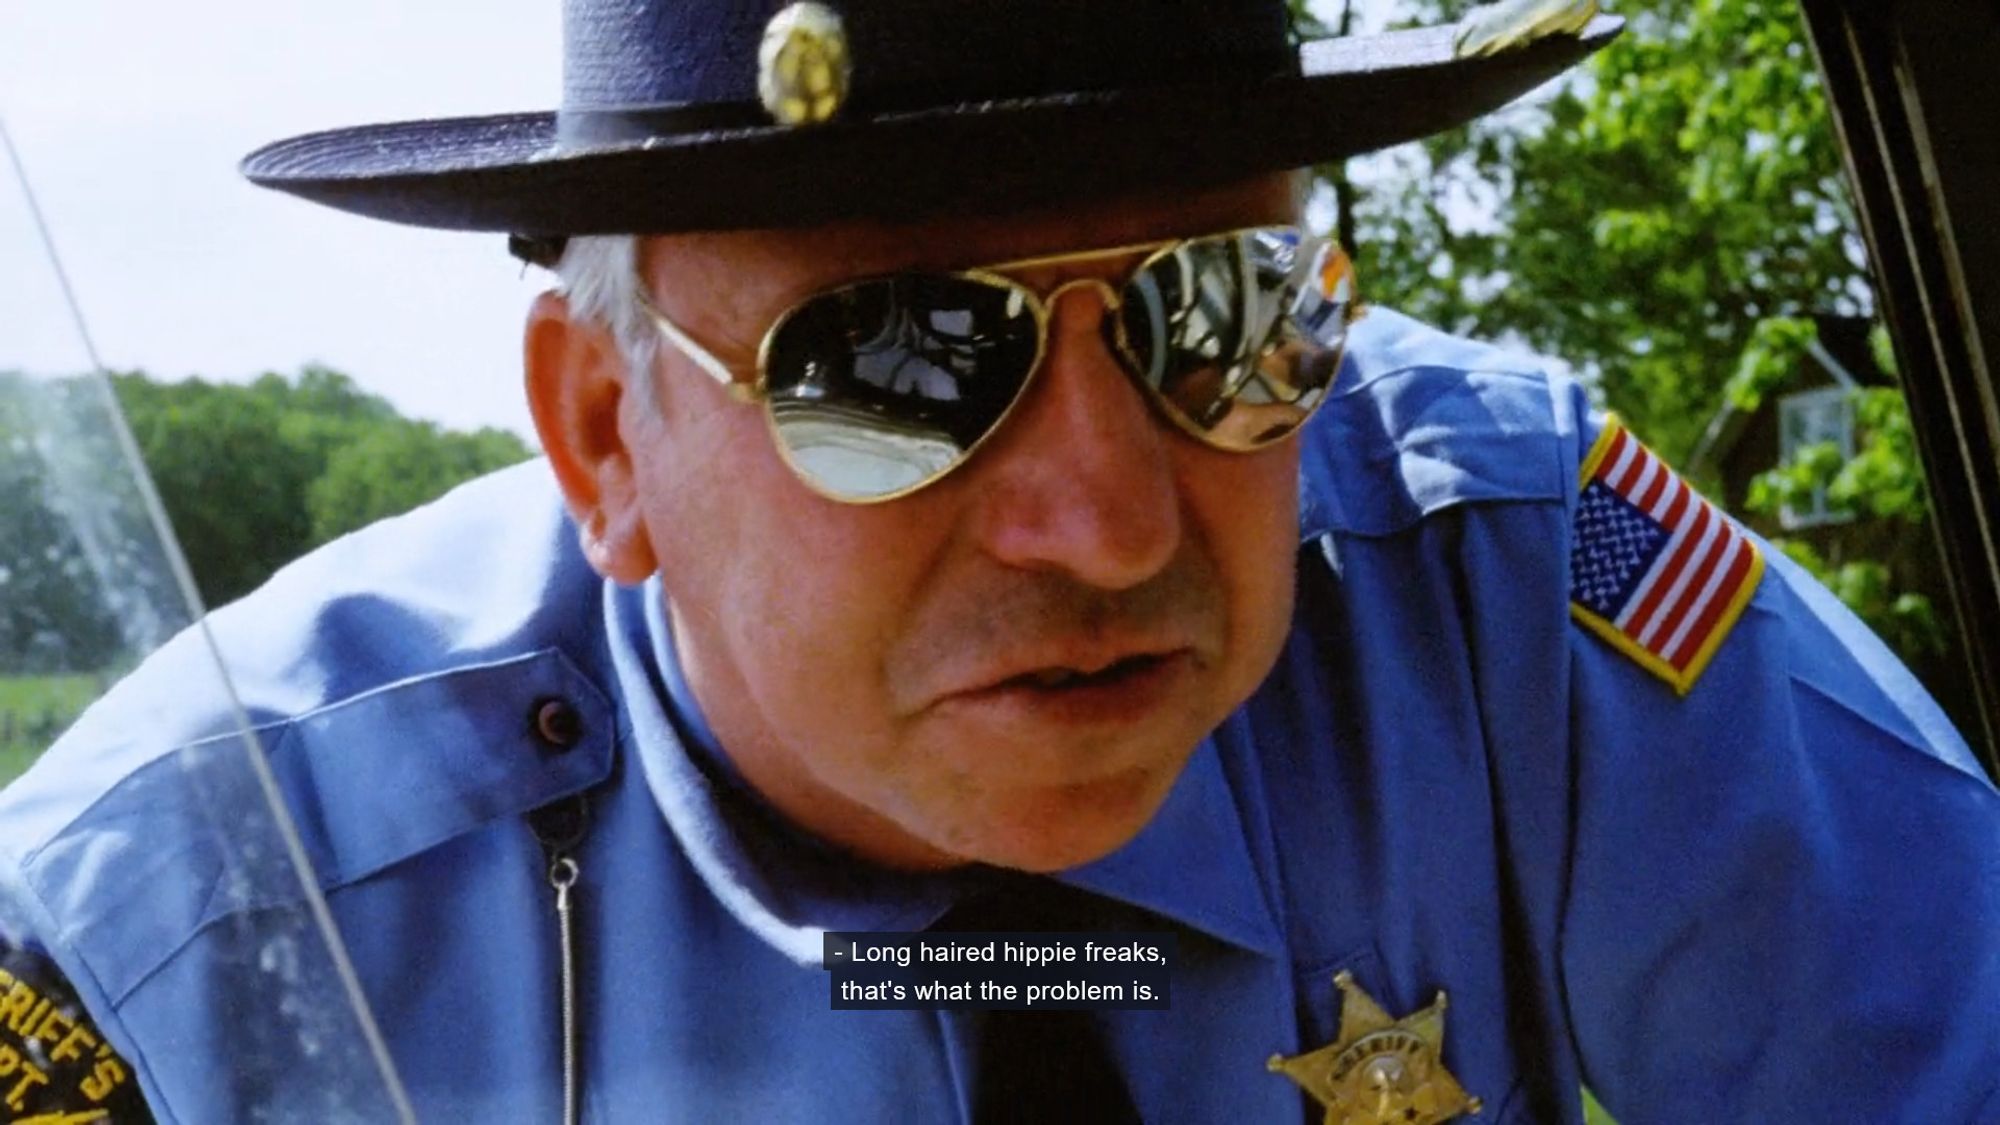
(131,118)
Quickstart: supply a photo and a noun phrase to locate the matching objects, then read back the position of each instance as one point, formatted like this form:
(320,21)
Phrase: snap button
(557,723)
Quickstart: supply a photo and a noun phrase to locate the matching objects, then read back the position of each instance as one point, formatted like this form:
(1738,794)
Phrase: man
(973,508)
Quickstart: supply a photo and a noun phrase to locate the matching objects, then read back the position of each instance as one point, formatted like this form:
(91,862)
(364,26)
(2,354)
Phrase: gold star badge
(1380,1069)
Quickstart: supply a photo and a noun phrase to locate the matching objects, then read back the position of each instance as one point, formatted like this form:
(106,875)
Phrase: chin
(1053,828)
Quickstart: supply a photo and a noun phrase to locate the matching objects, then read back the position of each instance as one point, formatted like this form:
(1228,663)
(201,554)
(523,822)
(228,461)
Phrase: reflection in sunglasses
(878,386)
(849,443)
(922,349)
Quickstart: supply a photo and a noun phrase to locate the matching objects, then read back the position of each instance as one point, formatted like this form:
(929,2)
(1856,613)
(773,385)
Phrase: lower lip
(1127,697)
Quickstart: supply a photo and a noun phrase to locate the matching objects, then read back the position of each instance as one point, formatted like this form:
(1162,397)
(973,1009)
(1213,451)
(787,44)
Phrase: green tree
(53,616)
(251,476)
(231,484)
(392,467)
(254,475)
(1883,482)
(1640,223)
(1668,221)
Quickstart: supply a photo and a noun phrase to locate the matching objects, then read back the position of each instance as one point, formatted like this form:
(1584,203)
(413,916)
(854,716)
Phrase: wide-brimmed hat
(715,114)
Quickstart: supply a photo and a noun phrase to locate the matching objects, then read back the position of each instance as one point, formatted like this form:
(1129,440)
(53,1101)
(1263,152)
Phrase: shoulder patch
(55,1068)
(1655,570)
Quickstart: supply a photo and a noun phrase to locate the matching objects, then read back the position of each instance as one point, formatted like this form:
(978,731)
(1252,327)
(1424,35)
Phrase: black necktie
(1047,1066)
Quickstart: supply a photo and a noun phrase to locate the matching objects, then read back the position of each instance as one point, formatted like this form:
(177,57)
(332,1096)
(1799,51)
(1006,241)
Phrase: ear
(576,378)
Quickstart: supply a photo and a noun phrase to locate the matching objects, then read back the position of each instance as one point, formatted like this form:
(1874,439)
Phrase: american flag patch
(1655,569)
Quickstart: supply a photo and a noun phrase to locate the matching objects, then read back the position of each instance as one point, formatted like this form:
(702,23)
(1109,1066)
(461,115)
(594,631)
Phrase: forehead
(794,260)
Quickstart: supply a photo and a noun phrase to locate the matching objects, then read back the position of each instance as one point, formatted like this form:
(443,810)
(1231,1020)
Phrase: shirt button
(557,724)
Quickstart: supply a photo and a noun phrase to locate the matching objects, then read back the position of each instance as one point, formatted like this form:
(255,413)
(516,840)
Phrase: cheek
(798,597)
(1245,510)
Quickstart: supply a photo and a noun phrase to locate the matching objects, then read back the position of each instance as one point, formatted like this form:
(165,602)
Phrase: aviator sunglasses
(878,387)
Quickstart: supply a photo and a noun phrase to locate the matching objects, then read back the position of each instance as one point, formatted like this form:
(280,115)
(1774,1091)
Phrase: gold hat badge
(802,64)
(1380,1069)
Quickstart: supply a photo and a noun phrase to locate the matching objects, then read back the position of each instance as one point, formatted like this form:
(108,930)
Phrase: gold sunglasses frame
(1041,305)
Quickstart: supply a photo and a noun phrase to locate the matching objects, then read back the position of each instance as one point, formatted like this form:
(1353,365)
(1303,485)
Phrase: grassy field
(33,711)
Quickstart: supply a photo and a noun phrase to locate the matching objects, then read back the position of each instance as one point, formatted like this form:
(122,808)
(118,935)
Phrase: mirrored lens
(1239,336)
(882,385)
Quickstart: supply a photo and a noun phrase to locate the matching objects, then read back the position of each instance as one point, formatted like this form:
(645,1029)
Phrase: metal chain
(563,874)
(560,827)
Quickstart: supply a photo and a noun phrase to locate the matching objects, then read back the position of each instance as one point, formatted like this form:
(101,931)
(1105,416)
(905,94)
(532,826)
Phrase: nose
(1081,479)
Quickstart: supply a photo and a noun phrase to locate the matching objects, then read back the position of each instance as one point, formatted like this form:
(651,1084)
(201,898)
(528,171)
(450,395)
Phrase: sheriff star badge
(1380,1069)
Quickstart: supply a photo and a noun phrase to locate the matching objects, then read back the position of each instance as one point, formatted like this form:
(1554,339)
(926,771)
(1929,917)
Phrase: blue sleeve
(1783,901)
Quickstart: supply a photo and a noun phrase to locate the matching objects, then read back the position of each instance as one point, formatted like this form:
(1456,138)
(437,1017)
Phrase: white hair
(599,274)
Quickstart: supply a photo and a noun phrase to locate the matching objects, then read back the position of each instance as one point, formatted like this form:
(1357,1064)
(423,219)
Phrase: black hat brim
(508,173)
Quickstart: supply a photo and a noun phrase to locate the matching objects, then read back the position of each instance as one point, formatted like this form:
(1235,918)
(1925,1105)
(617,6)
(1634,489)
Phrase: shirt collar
(1191,863)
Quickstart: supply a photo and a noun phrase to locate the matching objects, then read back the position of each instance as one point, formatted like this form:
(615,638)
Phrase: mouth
(1059,678)
(1129,689)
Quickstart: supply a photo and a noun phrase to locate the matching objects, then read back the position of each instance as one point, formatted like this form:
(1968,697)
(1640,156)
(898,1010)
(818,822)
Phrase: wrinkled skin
(868,668)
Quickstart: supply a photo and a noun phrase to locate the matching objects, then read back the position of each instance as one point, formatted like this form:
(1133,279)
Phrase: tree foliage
(251,476)
(50,615)
(1884,483)
(396,465)
(255,475)
(1668,220)
(227,476)
(1642,221)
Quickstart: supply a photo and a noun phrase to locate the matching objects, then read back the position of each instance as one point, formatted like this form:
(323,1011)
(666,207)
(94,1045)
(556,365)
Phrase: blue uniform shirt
(1775,897)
